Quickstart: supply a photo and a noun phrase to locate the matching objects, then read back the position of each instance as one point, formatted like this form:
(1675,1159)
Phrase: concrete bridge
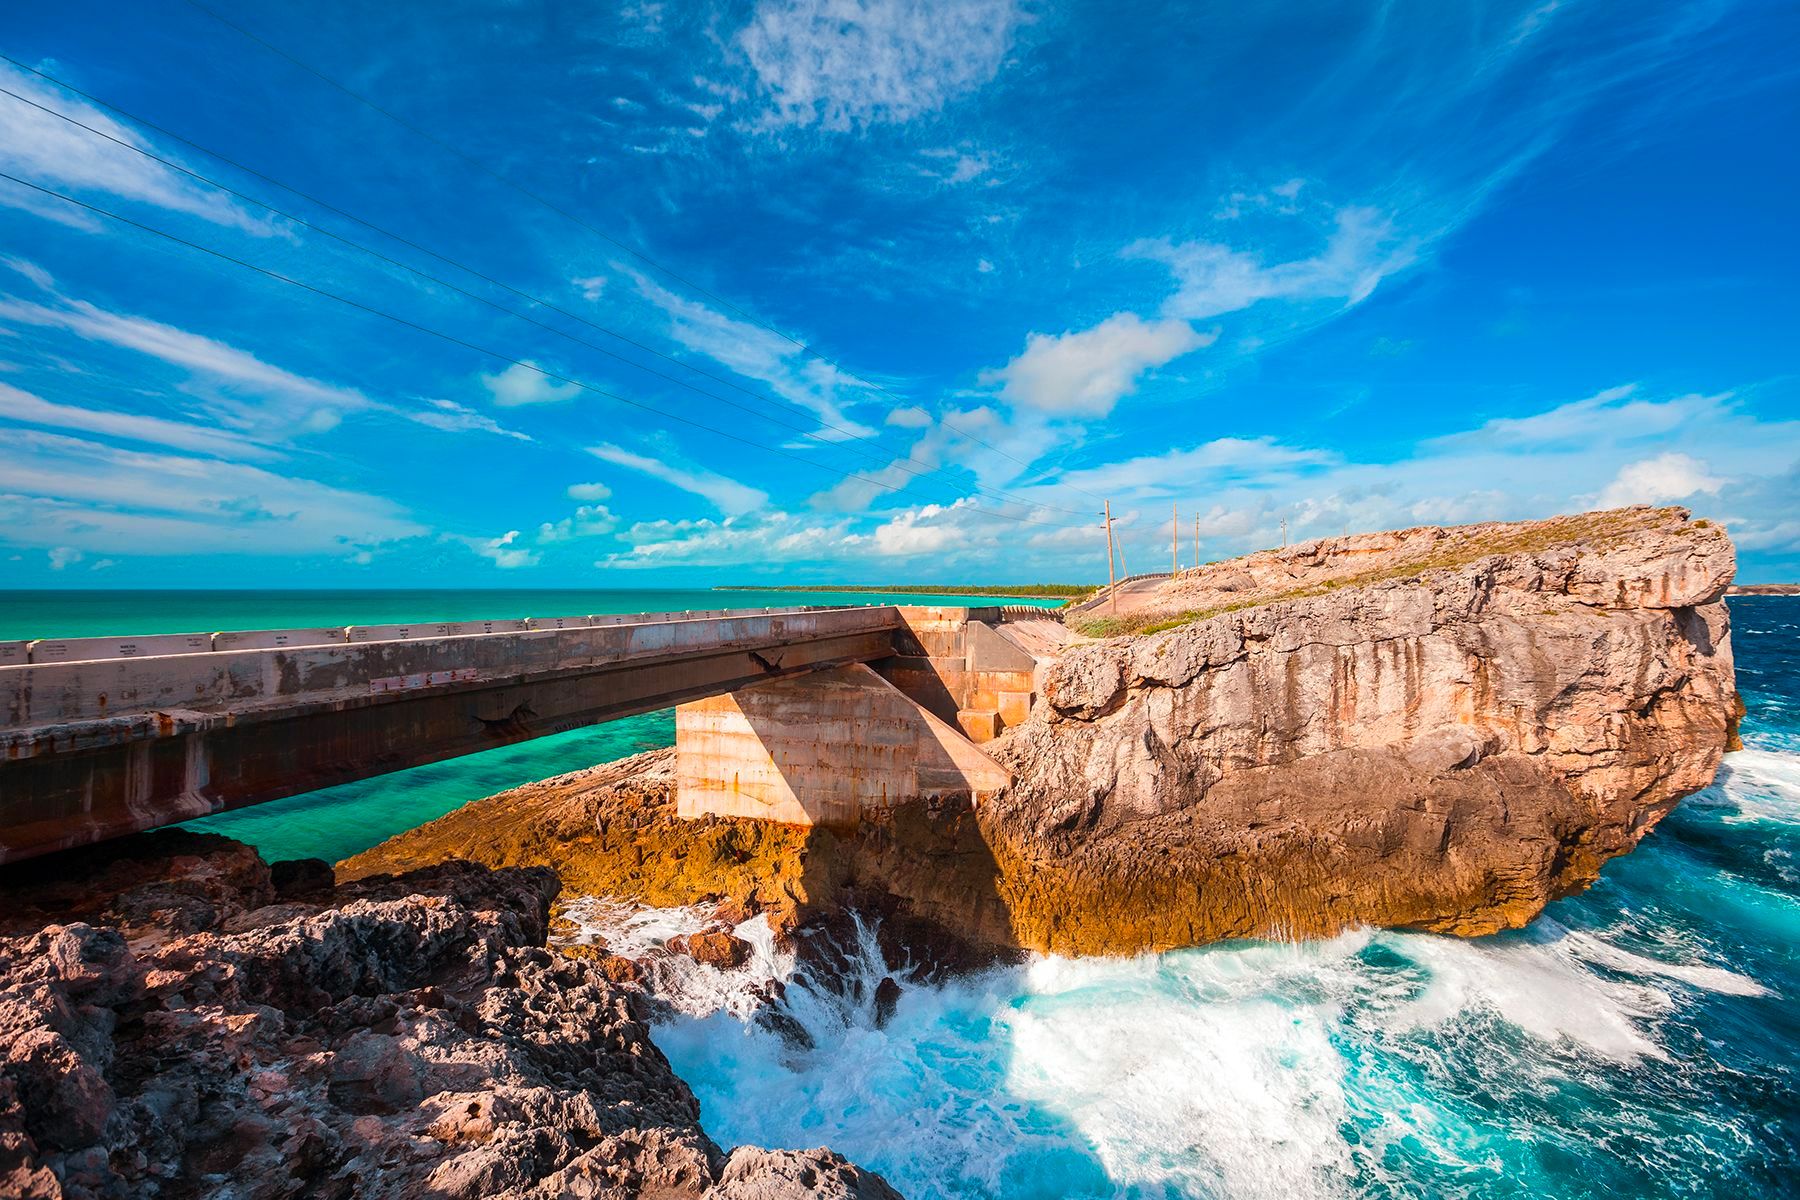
(804,714)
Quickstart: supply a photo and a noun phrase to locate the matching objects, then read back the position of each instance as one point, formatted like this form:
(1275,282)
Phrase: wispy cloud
(1362,249)
(791,373)
(727,495)
(43,149)
(300,402)
(63,491)
(452,417)
(842,64)
(25,408)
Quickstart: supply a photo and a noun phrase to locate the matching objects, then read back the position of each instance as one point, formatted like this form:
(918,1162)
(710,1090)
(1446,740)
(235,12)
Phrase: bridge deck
(94,747)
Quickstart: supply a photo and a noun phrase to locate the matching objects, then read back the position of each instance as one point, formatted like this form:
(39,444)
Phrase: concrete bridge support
(820,750)
(827,748)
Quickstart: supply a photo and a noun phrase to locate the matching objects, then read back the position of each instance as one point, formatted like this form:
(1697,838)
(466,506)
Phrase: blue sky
(918,285)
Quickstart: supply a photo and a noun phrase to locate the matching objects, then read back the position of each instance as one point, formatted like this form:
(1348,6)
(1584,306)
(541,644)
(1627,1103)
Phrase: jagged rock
(887,999)
(753,1174)
(1413,734)
(715,948)
(403,1036)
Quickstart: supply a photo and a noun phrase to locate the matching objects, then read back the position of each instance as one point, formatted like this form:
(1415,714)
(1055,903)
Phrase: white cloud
(1084,373)
(1608,414)
(1659,480)
(589,492)
(590,520)
(792,373)
(62,556)
(25,408)
(52,152)
(916,532)
(911,417)
(759,537)
(63,491)
(727,495)
(1201,469)
(522,384)
(848,63)
(501,551)
(591,286)
(1213,279)
(452,417)
(984,267)
(299,402)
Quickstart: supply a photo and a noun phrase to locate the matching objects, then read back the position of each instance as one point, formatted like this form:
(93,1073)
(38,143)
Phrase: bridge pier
(824,749)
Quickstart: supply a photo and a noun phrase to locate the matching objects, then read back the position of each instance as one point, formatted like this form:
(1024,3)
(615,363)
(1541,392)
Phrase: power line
(903,462)
(879,451)
(610,240)
(472,346)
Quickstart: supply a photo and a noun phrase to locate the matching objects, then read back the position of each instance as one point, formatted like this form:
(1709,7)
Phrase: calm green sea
(337,822)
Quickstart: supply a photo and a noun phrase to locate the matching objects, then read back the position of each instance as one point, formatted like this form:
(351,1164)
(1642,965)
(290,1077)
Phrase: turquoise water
(340,821)
(1639,1040)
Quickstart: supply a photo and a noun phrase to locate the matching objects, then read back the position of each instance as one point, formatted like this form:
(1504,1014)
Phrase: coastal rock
(401,1036)
(753,1174)
(713,947)
(1437,729)
(1441,729)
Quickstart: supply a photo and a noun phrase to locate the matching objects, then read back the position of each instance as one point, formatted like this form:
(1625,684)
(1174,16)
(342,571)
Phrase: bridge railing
(99,649)
(195,687)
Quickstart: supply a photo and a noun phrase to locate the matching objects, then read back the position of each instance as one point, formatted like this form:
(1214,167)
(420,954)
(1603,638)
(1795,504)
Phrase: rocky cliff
(1441,729)
(176,1019)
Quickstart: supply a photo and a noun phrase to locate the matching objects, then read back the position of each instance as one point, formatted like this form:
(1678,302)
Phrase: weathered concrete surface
(94,749)
(825,749)
(955,663)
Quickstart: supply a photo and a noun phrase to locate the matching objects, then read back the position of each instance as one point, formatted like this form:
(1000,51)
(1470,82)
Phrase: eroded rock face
(195,1034)
(1447,750)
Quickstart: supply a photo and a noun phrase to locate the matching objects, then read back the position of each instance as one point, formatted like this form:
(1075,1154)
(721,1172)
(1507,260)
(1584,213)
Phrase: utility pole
(1174,541)
(1112,579)
(1284,533)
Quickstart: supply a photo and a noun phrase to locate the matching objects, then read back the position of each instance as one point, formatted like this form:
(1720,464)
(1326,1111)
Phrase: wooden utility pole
(1112,579)
(1174,541)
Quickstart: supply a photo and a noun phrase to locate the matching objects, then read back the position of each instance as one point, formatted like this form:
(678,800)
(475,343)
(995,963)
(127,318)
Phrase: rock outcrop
(1441,729)
(177,1020)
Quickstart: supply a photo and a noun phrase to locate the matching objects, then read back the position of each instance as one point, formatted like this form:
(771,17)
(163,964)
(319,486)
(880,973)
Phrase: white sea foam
(692,987)
(1230,1071)
(1756,785)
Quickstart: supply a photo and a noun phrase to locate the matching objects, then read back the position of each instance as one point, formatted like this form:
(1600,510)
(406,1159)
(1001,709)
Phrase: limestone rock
(182,1031)
(753,1174)
(713,947)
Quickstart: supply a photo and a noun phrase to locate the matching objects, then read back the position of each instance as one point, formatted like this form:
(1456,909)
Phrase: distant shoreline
(1764,589)
(1023,591)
